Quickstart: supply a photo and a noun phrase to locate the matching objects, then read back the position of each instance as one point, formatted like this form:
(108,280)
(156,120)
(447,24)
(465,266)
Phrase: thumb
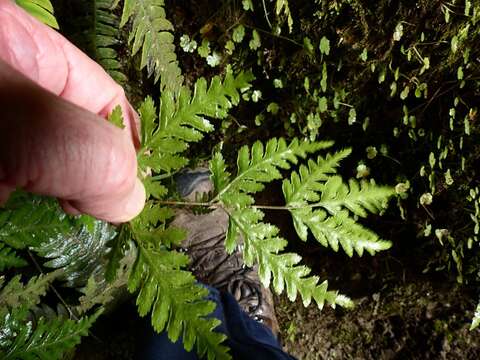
(52,147)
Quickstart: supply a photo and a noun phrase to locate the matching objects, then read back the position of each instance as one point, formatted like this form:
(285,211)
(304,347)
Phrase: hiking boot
(210,262)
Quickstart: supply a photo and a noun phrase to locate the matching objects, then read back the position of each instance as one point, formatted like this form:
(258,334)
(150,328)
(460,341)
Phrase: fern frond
(15,294)
(262,245)
(100,291)
(31,220)
(176,301)
(336,230)
(152,33)
(357,198)
(9,259)
(41,9)
(182,120)
(476,318)
(104,37)
(50,339)
(77,252)
(38,223)
(259,166)
(316,186)
(306,184)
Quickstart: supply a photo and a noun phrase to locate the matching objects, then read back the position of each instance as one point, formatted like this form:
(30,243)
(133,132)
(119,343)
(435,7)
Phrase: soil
(416,321)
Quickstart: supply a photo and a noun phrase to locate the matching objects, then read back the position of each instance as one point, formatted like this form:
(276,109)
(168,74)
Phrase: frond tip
(41,9)
(320,201)
(152,33)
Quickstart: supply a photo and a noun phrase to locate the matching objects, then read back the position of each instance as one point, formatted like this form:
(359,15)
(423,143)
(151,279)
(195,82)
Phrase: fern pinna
(152,34)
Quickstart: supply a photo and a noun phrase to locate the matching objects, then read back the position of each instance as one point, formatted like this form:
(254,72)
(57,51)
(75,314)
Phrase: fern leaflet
(31,220)
(9,259)
(15,294)
(257,167)
(77,252)
(41,9)
(48,340)
(261,241)
(262,245)
(182,120)
(176,301)
(152,32)
(315,186)
(105,37)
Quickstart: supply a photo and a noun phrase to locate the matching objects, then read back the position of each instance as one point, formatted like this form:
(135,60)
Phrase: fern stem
(274,35)
(189,203)
(220,205)
(266,14)
(39,269)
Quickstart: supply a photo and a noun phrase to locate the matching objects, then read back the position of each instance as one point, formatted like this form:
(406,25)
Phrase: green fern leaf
(9,259)
(50,339)
(316,186)
(118,248)
(337,230)
(152,33)
(15,294)
(104,37)
(357,198)
(38,223)
(31,220)
(262,245)
(177,303)
(306,184)
(100,291)
(77,252)
(41,9)
(182,120)
(259,166)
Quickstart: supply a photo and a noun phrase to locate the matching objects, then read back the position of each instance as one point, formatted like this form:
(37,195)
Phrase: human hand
(54,139)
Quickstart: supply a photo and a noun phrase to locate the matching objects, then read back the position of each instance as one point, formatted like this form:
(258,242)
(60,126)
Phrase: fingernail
(136,202)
